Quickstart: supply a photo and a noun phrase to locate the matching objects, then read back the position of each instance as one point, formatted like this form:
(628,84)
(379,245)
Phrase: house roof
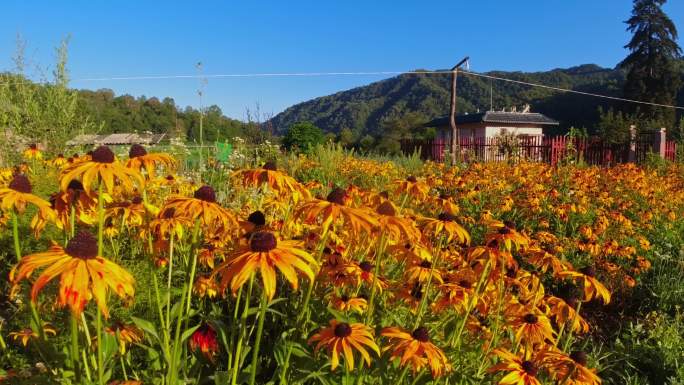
(496,117)
(116,139)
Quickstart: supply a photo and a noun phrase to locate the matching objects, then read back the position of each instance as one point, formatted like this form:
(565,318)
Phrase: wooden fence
(552,150)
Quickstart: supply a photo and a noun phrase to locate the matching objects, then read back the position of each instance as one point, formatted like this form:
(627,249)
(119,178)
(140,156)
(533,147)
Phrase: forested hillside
(364,109)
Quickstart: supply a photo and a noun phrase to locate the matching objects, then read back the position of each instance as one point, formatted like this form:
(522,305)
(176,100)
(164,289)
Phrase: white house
(492,123)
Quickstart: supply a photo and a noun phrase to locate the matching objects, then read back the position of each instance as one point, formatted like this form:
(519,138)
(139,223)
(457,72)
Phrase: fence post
(660,142)
(632,144)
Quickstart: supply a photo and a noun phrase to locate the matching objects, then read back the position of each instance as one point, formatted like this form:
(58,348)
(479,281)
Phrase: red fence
(552,150)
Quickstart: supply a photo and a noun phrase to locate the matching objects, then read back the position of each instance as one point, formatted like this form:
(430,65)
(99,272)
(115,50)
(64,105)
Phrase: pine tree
(653,73)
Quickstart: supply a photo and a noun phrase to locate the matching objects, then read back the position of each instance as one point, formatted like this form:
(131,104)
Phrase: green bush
(303,136)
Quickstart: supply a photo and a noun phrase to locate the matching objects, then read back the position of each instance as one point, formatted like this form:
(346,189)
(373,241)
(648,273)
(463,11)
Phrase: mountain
(364,109)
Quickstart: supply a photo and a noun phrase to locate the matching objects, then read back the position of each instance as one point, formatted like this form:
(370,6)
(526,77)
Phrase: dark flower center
(421,334)
(417,291)
(446,217)
(169,213)
(21,183)
(530,318)
(337,196)
(83,245)
(444,196)
(412,179)
(509,224)
(75,185)
(366,266)
(384,194)
(75,156)
(387,209)
(103,154)
(170,177)
(206,193)
(579,356)
(60,155)
(344,298)
(257,218)
(529,367)
(263,241)
(588,271)
(136,200)
(270,165)
(504,230)
(343,330)
(510,272)
(464,283)
(33,146)
(426,265)
(136,151)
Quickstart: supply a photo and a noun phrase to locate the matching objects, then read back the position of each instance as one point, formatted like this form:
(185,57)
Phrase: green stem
(257,341)
(74,348)
(378,260)
(243,327)
(15,235)
(100,251)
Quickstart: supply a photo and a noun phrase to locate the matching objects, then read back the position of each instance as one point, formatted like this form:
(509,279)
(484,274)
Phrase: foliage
(653,71)
(303,136)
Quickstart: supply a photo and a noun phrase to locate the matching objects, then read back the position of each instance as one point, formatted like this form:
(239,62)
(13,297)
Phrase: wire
(370,73)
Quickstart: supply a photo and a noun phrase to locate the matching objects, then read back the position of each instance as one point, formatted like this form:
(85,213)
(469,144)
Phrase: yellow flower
(341,339)
(83,274)
(416,350)
(102,167)
(264,254)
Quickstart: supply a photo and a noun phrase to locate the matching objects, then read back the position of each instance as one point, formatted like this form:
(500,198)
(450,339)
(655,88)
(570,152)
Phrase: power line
(368,73)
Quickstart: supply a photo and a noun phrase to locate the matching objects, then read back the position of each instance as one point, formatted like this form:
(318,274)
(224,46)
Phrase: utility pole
(455,135)
(200,92)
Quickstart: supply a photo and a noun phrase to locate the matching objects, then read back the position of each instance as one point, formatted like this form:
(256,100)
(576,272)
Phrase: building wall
(492,131)
(482,130)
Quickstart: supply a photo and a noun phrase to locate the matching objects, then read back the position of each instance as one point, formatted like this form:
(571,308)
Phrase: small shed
(489,124)
(120,139)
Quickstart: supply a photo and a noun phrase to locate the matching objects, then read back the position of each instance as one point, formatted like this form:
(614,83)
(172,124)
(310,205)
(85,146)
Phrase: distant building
(492,123)
(124,139)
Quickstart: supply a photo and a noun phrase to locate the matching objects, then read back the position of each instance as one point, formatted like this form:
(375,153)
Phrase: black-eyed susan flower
(445,225)
(334,209)
(139,159)
(264,254)
(532,327)
(27,334)
(342,339)
(416,350)
(126,334)
(347,303)
(569,369)
(591,286)
(32,152)
(518,370)
(83,274)
(18,194)
(204,340)
(395,227)
(276,180)
(102,167)
(203,207)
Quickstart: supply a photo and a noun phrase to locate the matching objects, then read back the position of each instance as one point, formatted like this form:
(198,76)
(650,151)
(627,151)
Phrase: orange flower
(341,338)
(592,287)
(518,371)
(205,340)
(102,167)
(346,303)
(126,334)
(202,206)
(139,159)
(83,274)
(334,208)
(263,254)
(415,349)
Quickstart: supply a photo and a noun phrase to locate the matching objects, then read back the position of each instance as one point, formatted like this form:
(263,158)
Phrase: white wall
(492,131)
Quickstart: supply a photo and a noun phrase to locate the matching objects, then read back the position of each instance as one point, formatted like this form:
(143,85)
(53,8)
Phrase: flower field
(335,268)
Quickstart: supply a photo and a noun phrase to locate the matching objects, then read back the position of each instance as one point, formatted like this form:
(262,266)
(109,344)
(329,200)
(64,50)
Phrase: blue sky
(140,38)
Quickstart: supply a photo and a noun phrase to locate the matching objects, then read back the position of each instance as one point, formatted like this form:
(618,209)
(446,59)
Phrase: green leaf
(146,326)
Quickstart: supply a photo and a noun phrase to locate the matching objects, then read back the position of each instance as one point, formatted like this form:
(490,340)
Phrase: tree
(303,136)
(652,73)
